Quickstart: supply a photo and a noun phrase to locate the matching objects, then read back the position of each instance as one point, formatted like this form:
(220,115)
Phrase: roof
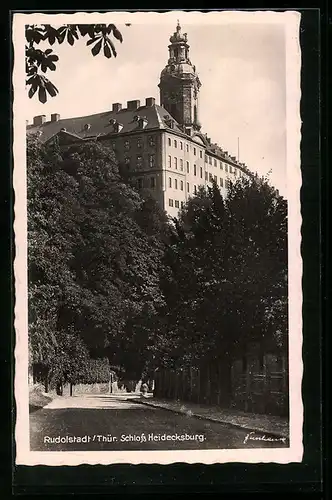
(99,124)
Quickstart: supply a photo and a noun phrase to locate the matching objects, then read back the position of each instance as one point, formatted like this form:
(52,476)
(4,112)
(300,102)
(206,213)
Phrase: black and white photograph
(157,236)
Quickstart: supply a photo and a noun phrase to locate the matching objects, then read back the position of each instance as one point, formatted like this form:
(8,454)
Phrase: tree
(95,252)
(53,231)
(117,260)
(226,279)
(39,61)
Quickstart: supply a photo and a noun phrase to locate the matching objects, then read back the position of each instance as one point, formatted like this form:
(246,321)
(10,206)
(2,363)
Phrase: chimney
(55,117)
(26,122)
(133,104)
(116,107)
(150,101)
(39,120)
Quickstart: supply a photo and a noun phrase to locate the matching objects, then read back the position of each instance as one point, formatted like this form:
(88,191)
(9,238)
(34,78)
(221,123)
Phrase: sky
(241,65)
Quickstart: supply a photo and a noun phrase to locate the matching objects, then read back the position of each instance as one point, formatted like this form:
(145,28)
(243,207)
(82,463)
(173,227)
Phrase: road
(114,422)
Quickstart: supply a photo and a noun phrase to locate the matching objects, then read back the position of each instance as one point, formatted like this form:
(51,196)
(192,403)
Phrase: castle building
(161,146)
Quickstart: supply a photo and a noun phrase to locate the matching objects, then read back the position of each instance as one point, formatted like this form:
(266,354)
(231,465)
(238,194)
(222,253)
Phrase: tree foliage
(39,61)
(226,284)
(94,254)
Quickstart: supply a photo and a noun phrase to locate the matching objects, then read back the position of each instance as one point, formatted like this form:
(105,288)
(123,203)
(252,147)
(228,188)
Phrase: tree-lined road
(107,422)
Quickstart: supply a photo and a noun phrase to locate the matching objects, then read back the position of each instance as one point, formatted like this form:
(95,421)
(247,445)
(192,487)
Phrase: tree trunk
(225,384)
(70,389)
(46,382)
(59,389)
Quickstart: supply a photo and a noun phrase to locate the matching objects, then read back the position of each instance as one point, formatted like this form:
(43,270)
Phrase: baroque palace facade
(161,146)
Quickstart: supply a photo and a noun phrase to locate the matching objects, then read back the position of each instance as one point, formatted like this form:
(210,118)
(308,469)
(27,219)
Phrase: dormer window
(143,122)
(118,127)
(87,126)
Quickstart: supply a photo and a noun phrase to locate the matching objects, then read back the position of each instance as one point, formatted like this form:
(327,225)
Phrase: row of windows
(139,160)
(152,183)
(180,185)
(138,142)
(230,168)
(177,143)
(179,162)
(175,203)
(175,184)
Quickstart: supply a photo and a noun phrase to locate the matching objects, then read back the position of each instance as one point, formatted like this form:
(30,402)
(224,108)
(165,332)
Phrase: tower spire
(179,82)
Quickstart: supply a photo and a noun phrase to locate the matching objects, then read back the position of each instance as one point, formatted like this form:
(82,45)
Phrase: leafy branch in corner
(38,61)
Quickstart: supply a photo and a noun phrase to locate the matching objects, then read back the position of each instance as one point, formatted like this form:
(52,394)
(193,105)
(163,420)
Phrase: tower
(179,84)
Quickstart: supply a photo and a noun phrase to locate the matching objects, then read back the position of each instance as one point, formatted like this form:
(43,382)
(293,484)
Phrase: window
(240,173)
(235,171)
(206,176)
(230,169)
(152,182)
(181,145)
(210,177)
(139,160)
(170,202)
(226,167)
(188,187)
(194,151)
(201,172)
(152,160)
(175,163)
(181,164)
(221,166)
(210,160)
(182,204)
(175,183)
(176,203)
(169,141)
(187,148)
(169,161)
(175,143)
(126,145)
(195,189)
(139,183)
(181,185)
(170,182)
(188,168)
(194,169)
(139,143)
(152,141)
(228,183)
(201,154)
(206,159)
(221,182)
(215,178)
